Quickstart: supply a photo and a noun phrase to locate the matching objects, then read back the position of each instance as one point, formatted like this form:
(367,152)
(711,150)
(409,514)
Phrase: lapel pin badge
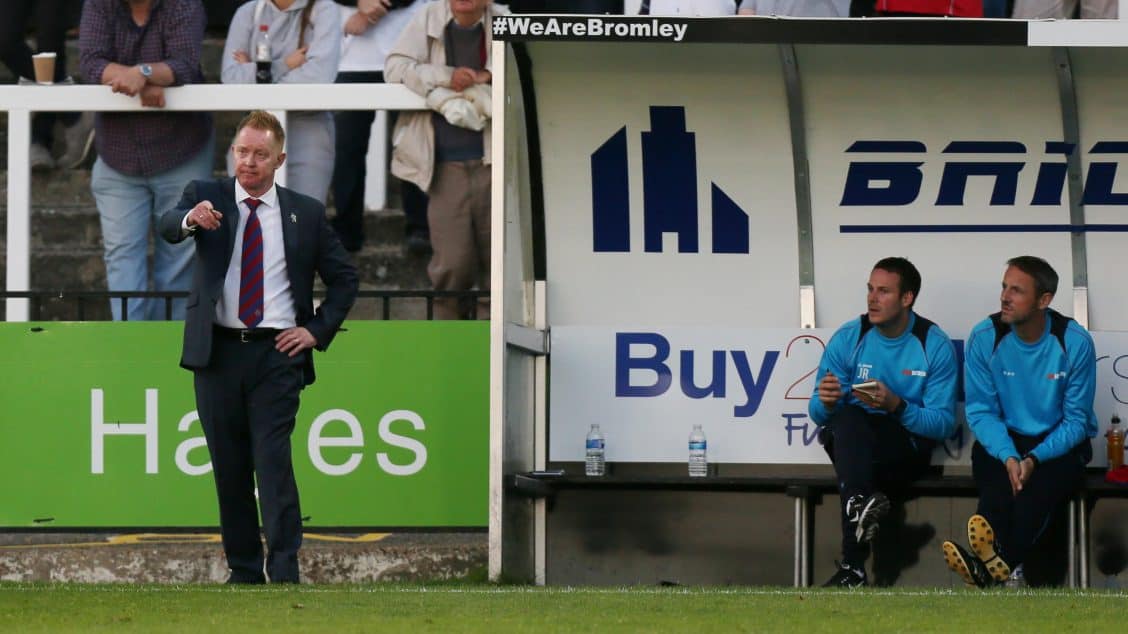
(293,217)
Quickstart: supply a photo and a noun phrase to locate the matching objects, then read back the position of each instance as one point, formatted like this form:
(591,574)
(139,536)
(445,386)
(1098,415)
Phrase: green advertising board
(99,428)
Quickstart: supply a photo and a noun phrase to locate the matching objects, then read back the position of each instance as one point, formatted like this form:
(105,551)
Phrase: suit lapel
(288,212)
(230,210)
(228,225)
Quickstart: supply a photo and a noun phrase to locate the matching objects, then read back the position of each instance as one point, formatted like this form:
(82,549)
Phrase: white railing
(21,101)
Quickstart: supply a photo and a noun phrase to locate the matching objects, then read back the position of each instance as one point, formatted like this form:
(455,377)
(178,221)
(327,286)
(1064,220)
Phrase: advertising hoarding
(100,428)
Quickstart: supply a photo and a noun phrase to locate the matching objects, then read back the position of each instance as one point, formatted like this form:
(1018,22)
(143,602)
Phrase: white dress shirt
(278,302)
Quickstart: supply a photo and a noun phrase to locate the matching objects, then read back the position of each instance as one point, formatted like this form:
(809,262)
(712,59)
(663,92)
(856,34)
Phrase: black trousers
(870,453)
(247,399)
(350,171)
(51,18)
(1019,520)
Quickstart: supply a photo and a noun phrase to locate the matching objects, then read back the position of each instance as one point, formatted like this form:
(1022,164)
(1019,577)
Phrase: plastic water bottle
(594,465)
(1115,438)
(262,57)
(698,463)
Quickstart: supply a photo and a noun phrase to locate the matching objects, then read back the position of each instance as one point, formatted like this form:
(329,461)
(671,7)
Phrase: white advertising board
(748,388)
(679,146)
(925,100)
(660,158)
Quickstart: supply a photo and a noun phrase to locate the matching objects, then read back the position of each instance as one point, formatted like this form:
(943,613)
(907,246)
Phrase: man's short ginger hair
(263,120)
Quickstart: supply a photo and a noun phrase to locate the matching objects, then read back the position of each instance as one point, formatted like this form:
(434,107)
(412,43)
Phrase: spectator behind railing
(305,44)
(797,8)
(145,158)
(444,56)
(918,8)
(997,8)
(699,8)
(613,7)
(51,19)
(219,14)
(1059,9)
(370,29)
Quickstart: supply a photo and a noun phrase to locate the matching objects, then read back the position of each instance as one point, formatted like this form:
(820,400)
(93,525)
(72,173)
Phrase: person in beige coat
(446,47)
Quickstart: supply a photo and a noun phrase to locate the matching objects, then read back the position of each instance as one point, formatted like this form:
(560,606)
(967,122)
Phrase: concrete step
(389,267)
(68,309)
(195,558)
(83,268)
(56,188)
(78,225)
(62,228)
(68,267)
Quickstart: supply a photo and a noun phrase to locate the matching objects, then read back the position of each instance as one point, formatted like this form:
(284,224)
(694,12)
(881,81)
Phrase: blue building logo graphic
(669,192)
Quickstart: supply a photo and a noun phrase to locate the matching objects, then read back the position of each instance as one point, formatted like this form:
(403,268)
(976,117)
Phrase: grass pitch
(502,609)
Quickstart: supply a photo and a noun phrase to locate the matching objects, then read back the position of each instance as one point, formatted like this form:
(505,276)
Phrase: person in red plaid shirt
(138,48)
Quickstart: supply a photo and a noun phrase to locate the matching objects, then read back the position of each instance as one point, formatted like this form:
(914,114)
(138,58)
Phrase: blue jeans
(129,207)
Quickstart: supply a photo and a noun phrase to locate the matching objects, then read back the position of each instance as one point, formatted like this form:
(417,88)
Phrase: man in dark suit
(248,334)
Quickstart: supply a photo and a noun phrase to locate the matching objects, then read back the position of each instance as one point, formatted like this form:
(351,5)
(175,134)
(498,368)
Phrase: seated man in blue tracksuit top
(1029,376)
(882,432)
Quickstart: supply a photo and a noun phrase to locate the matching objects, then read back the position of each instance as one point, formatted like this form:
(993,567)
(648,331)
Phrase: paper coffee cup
(44,67)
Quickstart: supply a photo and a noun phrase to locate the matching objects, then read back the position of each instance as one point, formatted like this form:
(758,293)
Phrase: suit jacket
(311,246)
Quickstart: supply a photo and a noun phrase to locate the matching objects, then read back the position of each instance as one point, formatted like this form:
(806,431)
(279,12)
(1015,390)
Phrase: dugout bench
(807,491)
(596,223)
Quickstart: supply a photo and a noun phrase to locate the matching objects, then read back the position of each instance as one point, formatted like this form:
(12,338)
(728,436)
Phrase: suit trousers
(459,216)
(247,399)
(870,453)
(1019,520)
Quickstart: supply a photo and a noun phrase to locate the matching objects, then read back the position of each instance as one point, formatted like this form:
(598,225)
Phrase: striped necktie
(644,8)
(250,279)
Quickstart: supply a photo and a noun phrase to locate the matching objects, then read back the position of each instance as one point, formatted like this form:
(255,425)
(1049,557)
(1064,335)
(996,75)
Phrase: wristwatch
(146,70)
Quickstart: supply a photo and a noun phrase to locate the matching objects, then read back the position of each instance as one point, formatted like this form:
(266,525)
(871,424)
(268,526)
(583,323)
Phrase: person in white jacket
(686,8)
(305,45)
(445,49)
(1064,9)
